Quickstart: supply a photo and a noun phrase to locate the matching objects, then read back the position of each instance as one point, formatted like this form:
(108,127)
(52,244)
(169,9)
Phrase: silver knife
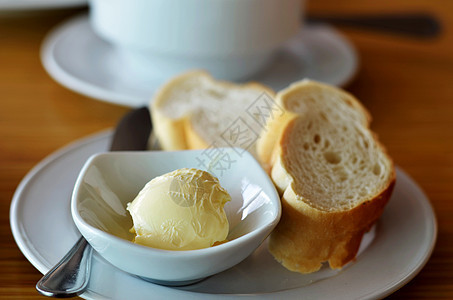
(70,276)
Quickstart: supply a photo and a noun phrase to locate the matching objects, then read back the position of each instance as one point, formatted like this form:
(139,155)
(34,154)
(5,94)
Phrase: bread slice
(334,176)
(194,111)
(308,97)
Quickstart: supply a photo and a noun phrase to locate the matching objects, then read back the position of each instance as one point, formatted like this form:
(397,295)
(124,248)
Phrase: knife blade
(70,276)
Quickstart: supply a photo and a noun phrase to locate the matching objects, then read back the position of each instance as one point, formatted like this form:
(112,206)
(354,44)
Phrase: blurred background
(405,81)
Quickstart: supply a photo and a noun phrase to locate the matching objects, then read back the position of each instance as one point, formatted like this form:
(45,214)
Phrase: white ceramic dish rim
(130,96)
(97,142)
(80,221)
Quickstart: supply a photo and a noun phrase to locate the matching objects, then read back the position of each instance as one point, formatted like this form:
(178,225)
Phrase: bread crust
(307,235)
(311,87)
(180,133)
(268,141)
(266,145)
(171,133)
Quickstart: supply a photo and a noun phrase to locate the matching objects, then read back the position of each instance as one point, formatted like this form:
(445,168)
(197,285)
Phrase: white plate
(78,59)
(44,231)
(39,4)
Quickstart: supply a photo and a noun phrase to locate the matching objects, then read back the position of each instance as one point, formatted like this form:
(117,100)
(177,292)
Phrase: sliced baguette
(334,176)
(193,110)
(304,97)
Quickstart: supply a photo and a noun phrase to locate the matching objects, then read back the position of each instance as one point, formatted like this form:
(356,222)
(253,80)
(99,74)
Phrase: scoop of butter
(180,210)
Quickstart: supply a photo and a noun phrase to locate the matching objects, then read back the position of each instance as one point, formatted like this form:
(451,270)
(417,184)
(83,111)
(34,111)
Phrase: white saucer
(39,4)
(78,59)
(44,231)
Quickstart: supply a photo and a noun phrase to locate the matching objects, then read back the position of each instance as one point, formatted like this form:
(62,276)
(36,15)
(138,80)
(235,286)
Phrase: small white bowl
(108,181)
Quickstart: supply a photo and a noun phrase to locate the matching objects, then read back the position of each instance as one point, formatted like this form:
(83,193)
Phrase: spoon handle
(69,277)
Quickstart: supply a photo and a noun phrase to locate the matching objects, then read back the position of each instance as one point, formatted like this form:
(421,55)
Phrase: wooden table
(407,84)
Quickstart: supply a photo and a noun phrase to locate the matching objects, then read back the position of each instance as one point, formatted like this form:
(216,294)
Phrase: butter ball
(180,210)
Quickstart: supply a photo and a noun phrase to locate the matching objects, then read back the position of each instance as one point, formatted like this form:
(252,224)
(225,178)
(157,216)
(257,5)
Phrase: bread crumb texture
(214,113)
(334,177)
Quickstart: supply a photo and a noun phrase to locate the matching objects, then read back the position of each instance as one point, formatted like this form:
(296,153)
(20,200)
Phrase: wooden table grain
(406,83)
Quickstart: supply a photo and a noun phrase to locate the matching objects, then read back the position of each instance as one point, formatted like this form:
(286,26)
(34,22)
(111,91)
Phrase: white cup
(232,39)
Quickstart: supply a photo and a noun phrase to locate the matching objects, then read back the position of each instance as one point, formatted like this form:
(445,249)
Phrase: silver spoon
(71,275)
